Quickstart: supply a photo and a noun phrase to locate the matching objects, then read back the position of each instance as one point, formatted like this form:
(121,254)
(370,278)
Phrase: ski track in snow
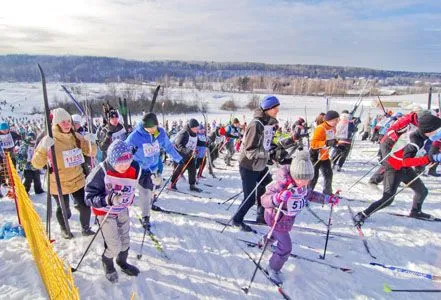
(206,264)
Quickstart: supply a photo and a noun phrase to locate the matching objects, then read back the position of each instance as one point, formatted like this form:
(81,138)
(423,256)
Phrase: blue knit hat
(4,126)
(119,152)
(269,102)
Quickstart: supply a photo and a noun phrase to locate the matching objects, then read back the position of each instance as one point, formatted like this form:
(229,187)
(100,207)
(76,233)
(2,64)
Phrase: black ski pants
(249,181)
(80,205)
(191,170)
(32,176)
(392,180)
(325,167)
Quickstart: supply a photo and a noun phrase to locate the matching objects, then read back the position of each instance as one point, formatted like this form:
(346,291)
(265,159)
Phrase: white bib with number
(30,153)
(151,149)
(119,135)
(73,158)
(268,135)
(6,141)
(192,142)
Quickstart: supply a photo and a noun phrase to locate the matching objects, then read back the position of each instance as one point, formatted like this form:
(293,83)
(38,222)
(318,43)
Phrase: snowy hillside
(202,263)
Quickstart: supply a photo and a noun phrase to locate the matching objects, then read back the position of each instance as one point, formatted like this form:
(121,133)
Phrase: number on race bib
(73,158)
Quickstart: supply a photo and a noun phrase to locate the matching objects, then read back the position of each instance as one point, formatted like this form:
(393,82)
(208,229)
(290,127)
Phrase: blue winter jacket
(139,137)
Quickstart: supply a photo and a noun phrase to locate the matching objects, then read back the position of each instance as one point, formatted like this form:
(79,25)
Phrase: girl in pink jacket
(291,188)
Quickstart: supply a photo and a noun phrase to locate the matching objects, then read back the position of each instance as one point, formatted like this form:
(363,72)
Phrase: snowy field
(205,264)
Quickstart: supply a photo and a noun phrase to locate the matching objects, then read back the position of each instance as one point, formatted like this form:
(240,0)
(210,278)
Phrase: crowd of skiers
(102,165)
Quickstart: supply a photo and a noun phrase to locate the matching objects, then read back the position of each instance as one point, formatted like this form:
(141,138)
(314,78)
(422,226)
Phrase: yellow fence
(55,274)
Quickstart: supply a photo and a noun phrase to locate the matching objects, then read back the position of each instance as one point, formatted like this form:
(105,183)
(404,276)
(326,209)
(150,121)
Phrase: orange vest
(322,133)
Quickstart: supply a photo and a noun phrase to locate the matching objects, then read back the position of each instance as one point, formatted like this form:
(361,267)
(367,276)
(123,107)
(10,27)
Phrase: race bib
(73,158)
(330,135)
(267,137)
(119,135)
(342,131)
(192,142)
(151,149)
(30,153)
(125,187)
(6,141)
(295,205)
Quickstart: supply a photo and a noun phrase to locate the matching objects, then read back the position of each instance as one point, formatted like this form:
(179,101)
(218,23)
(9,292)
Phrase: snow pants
(392,180)
(32,176)
(249,181)
(80,205)
(115,233)
(191,170)
(145,188)
(283,249)
(325,167)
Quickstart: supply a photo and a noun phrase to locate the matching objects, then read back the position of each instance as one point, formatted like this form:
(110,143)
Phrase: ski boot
(274,275)
(87,232)
(66,235)
(242,226)
(146,222)
(121,261)
(195,188)
(420,215)
(109,269)
(359,219)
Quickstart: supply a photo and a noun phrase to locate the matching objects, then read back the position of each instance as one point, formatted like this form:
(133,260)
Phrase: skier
(30,174)
(148,139)
(216,140)
(289,187)
(113,130)
(232,133)
(253,159)
(345,131)
(322,140)
(186,142)
(398,167)
(8,140)
(111,187)
(69,150)
(201,151)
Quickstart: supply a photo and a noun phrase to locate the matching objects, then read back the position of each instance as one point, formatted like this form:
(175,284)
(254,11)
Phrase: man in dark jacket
(186,142)
(114,130)
(253,159)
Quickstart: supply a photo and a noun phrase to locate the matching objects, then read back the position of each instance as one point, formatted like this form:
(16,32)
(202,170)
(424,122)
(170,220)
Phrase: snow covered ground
(205,264)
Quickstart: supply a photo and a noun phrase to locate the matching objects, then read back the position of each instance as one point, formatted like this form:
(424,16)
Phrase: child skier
(24,157)
(110,189)
(291,189)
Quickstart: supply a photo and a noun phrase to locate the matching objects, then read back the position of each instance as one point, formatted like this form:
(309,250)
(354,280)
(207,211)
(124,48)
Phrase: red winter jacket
(400,126)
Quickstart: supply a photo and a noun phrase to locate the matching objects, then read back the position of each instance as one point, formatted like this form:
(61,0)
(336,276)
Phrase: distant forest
(22,68)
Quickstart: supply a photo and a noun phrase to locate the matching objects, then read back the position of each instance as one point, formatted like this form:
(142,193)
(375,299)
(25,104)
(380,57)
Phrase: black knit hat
(331,115)
(193,123)
(149,120)
(428,123)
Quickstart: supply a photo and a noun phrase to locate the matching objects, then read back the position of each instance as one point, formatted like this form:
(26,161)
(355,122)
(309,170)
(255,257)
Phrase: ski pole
(268,238)
(93,238)
(182,171)
(255,188)
(327,233)
(163,187)
(231,198)
(370,170)
(402,270)
(388,289)
(138,256)
(402,189)
(320,157)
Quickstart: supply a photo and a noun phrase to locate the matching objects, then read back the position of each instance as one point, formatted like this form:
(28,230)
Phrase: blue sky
(382,34)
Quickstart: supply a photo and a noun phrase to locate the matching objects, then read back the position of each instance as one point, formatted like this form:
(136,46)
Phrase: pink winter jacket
(299,197)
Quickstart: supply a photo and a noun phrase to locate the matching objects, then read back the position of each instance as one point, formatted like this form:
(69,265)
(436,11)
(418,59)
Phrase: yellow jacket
(321,134)
(72,177)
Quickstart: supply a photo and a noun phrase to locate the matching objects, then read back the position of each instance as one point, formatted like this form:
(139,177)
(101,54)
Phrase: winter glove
(47,142)
(282,196)
(90,137)
(436,136)
(156,179)
(436,157)
(331,143)
(113,199)
(334,199)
